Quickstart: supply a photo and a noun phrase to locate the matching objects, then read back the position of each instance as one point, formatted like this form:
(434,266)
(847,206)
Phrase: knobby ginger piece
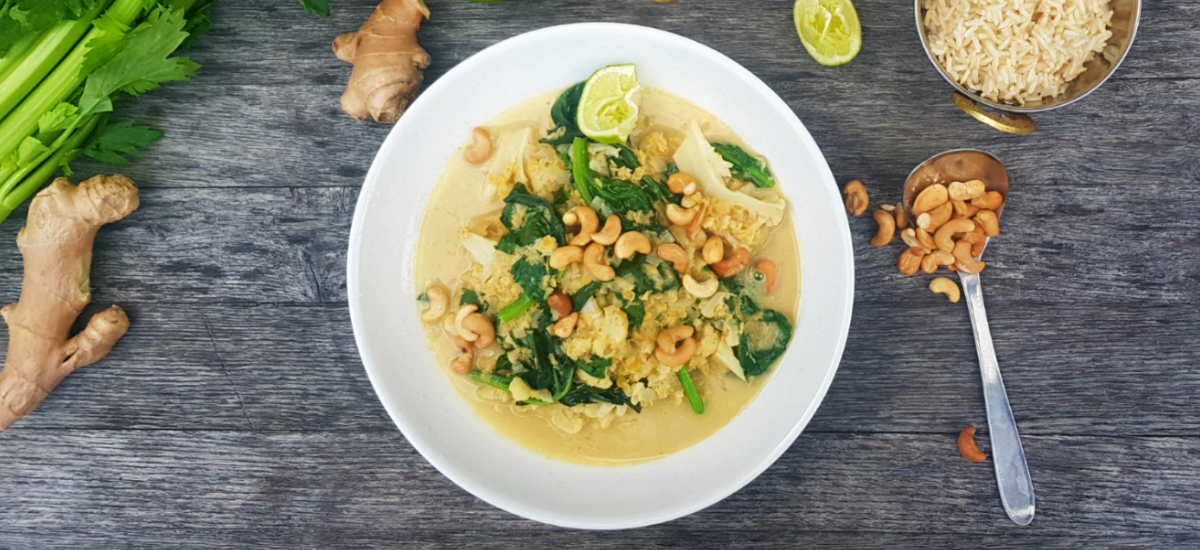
(387,61)
(56,244)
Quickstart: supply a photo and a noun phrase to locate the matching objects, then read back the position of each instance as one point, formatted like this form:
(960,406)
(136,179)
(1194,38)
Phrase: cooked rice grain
(1016,50)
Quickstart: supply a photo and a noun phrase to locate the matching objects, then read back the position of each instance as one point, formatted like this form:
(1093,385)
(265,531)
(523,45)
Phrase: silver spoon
(1012,472)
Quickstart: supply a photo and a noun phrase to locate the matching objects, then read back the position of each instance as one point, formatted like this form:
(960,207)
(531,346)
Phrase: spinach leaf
(582,394)
(562,113)
(660,191)
(623,196)
(584,294)
(648,278)
(757,356)
(636,314)
(470,297)
(531,277)
(748,306)
(745,167)
(625,158)
(581,173)
(540,219)
(595,366)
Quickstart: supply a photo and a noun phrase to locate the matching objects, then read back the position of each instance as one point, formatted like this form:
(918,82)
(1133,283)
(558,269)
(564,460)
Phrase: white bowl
(418,396)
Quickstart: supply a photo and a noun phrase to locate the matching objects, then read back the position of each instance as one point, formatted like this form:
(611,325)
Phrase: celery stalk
(29,185)
(50,48)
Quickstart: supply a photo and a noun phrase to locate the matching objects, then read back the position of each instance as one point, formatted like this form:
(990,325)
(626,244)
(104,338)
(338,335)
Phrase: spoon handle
(1012,473)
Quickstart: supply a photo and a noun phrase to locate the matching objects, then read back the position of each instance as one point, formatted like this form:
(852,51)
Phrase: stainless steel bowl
(1013,117)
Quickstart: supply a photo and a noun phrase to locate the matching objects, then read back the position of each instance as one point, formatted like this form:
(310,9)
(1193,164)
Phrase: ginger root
(387,61)
(56,244)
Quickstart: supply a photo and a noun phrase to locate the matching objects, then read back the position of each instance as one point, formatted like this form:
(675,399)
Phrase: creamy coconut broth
(468,198)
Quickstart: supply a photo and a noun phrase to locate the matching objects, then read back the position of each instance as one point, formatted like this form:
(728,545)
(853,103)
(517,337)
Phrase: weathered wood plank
(346,489)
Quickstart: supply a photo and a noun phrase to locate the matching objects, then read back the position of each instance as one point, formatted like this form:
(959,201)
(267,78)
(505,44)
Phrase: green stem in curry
(580,169)
(689,389)
(516,308)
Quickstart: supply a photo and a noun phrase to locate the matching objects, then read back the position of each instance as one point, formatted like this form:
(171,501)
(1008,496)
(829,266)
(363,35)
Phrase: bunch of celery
(61,64)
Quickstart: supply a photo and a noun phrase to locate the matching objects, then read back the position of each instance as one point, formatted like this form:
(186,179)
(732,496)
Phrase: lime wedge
(607,111)
(829,30)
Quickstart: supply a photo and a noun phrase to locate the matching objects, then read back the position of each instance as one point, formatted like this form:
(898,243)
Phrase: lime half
(607,111)
(829,30)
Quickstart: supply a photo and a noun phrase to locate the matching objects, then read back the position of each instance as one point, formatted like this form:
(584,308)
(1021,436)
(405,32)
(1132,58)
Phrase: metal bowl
(1013,117)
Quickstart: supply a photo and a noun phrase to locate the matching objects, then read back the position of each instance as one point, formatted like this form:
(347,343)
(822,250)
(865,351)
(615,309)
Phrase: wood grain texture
(236,412)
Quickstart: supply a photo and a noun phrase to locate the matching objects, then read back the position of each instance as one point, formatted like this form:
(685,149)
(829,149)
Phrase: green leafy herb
(531,276)
(515,308)
(623,196)
(595,366)
(584,294)
(470,297)
(689,389)
(539,220)
(580,171)
(582,394)
(636,313)
(745,167)
(765,337)
(315,7)
(117,142)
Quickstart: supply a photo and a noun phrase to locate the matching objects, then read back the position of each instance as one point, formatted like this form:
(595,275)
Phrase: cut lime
(607,111)
(829,30)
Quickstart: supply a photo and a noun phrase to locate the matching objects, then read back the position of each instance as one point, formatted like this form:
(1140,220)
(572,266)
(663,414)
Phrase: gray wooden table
(236,411)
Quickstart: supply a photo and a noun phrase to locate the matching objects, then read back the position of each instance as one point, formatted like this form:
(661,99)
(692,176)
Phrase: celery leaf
(115,142)
(315,7)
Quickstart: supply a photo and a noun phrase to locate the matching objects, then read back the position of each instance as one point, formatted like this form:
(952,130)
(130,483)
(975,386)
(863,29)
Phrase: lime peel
(608,110)
(828,29)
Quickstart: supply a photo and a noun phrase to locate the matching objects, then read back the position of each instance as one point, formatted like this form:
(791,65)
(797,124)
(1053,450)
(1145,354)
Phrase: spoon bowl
(957,165)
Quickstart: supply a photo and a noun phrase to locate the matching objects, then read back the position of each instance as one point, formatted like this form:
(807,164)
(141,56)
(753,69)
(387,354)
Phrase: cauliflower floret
(743,227)
(605,330)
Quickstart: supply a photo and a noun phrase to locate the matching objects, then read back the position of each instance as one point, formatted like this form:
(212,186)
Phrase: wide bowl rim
(975,96)
(426,448)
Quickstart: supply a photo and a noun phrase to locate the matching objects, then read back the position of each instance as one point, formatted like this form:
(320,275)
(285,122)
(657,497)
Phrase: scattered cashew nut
(565,326)
(732,266)
(475,327)
(630,243)
(682,184)
(770,272)
(714,250)
(901,218)
(931,197)
(588,222)
(610,233)
(967,446)
(675,346)
(561,303)
(439,303)
(942,285)
(564,256)
(679,215)
(694,227)
(698,289)
(945,234)
(593,260)
(910,261)
(462,363)
(675,254)
(480,149)
(909,236)
(857,200)
(887,228)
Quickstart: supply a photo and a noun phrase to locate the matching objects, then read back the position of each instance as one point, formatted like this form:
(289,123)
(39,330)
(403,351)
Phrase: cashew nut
(932,220)
(936,259)
(630,243)
(463,362)
(888,207)
(588,222)
(931,197)
(728,268)
(675,346)
(564,256)
(989,201)
(561,303)
(967,446)
(966,262)
(770,271)
(857,201)
(989,222)
(439,303)
(977,248)
(476,327)
(675,254)
(909,236)
(975,236)
(694,228)
(924,239)
(682,184)
(714,250)
(565,326)
(463,312)
(679,215)
(942,285)
(593,260)
(965,191)
(610,233)
(910,261)
(945,234)
(570,218)
(960,208)
(887,228)
(901,218)
(698,289)
(481,147)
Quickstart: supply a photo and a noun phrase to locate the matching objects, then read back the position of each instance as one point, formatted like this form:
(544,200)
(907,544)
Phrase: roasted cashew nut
(901,218)
(680,216)
(682,184)
(463,362)
(714,250)
(564,256)
(887,228)
(675,346)
(942,285)
(675,254)
(967,447)
(669,337)
(463,312)
(480,149)
(909,236)
(966,190)
(932,220)
(610,233)
(593,260)
(630,243)
(944,238)
(967,262)
(728,268)
(925,240)
(565,326)
(588,222)
(770,272)
(931,262)
(475,327)
(439,303)
(989,222)
(929,198)
(910,261)
(857,201)
(561,303)
(698,289)
(693,228)
(989,201)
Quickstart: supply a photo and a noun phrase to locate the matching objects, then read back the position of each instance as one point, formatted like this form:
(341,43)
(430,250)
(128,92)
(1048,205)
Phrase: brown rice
(1016,50)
